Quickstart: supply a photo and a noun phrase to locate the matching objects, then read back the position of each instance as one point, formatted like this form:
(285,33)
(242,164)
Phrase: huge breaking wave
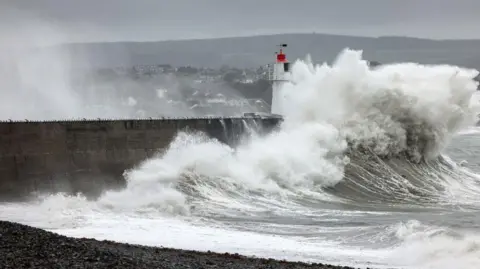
(353,138)
(350,130)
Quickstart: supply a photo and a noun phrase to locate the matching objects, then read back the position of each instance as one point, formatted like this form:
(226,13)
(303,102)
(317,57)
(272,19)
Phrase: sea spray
(348,106)
(357,154)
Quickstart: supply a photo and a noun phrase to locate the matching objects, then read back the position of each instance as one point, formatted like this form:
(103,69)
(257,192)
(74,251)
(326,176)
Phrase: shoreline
(23,246)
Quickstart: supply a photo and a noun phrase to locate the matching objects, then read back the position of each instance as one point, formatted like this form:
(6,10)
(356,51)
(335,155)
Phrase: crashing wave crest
(349,132)
(389,110)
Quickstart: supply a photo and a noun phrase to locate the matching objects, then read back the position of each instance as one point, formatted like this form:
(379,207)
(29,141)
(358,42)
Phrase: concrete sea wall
(89,156)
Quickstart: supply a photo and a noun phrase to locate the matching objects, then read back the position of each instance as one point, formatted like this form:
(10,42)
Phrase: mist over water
(357,174)
(43,80)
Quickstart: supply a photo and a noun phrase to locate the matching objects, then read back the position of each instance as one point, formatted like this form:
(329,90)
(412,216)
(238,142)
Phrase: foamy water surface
(297,194)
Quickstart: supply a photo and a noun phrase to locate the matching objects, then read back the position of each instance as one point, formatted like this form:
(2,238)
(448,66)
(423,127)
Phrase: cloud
(90,20)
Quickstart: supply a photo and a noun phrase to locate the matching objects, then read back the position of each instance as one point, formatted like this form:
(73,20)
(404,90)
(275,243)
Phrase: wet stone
(27,247)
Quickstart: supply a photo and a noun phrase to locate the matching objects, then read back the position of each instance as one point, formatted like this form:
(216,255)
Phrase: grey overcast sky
(111,20)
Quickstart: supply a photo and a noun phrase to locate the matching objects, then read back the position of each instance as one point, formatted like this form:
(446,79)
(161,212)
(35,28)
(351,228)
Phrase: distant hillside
(259,50)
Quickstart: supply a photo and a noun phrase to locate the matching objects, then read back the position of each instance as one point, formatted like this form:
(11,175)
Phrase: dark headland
(23,246)
(255,51)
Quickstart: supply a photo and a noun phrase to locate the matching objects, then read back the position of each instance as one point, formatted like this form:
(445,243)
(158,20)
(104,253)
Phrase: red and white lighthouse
(278,75)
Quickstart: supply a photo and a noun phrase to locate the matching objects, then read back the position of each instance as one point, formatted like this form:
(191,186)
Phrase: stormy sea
(371,167)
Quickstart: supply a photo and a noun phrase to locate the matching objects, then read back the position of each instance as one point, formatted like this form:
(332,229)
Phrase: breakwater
(89,156)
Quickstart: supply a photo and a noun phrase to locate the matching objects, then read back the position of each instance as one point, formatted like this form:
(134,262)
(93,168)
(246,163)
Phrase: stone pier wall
(89,156)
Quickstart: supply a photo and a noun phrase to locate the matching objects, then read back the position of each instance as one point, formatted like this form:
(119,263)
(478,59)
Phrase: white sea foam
(328,106)
(435,247)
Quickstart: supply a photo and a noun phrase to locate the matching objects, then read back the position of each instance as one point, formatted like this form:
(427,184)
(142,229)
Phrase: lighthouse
(278,76)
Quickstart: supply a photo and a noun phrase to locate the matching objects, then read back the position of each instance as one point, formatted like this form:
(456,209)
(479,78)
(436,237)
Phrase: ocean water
(372,167)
